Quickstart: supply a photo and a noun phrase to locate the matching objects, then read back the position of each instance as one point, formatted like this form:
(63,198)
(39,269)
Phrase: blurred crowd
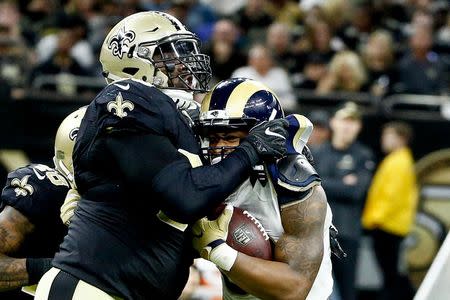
(379,47)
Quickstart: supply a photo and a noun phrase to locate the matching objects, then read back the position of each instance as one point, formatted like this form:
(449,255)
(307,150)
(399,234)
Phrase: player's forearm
(191,193)
(270,279)
(13,273)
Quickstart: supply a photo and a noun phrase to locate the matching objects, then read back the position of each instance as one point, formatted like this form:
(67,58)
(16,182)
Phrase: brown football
(247,235)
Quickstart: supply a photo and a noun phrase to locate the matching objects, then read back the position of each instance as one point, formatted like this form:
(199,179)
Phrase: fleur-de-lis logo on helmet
(120,43)
(22,186)
(119,105)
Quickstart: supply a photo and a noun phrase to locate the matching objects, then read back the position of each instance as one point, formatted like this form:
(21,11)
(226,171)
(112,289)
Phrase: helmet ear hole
(130,70)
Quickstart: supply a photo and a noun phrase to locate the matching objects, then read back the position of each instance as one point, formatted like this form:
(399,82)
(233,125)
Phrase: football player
(139,172)
(30,224)
(286,197)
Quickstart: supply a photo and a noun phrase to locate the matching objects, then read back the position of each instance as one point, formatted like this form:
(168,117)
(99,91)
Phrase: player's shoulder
(139,93)
(131,103)
(295,173)
(35,185)
(293,178)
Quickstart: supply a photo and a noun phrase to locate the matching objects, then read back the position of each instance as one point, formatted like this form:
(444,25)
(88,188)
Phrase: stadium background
(49,67)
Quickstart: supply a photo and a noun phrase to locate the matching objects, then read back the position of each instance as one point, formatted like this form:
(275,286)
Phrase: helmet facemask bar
(215,154)
(206,127)
(179,59)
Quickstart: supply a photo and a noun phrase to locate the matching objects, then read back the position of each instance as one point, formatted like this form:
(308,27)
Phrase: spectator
(73,29)
(355,34)
(321,132)
(61,62)
(315,69)
(285,11)
(346,167)
(197,16)
(36,19)
(346,73)
(378,56)
(279,43)
(253,19)
(319,40)
(261,68)
(223,50)
(14,56)
(421,70)
(225,8)
(391,206)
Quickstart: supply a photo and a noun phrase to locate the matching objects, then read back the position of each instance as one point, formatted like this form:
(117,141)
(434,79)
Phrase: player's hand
(68,208)
(268,138)
(209,238)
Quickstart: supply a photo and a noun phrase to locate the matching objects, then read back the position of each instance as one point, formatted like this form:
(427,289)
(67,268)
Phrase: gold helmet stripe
(206,101)
(304,131)
(240,95)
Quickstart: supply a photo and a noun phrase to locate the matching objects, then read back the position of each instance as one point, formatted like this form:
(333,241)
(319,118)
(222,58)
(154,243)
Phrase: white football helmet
(65,141)
(156,48)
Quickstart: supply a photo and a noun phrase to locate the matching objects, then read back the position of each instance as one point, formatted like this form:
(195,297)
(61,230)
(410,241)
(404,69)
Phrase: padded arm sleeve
(186,193)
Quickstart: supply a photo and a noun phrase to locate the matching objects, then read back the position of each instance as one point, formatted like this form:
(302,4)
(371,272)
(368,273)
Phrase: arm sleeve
(186,193)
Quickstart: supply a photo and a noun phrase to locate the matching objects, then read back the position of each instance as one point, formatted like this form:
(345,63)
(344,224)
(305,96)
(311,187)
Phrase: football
(247,235)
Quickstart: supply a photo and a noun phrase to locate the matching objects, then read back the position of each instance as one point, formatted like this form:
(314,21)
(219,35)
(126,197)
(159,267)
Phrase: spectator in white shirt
(261,67)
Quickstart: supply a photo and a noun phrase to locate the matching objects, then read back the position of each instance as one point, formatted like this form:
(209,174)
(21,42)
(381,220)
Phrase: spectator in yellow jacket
(391,206)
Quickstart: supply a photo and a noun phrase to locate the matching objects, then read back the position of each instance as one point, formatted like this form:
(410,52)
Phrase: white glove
(184,100)
(68,208)
(210,240)
(185,103)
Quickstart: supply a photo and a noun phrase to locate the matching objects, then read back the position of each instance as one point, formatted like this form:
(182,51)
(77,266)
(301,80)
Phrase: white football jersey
(261,201)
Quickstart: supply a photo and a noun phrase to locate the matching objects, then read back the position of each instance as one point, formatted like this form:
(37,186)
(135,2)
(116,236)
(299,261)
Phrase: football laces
(258,224)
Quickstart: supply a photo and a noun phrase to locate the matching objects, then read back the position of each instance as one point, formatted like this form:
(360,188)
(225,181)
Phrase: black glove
(266,140)
(308,155)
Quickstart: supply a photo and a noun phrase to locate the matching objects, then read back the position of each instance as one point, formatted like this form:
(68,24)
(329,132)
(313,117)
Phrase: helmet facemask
(157,48)
(178,59)
(236,104)
(210,126)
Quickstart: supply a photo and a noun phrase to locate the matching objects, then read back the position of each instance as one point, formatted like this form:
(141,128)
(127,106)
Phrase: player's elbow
(295,290)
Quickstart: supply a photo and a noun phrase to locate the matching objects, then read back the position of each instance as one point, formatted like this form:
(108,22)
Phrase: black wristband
(250,151)
(36,267)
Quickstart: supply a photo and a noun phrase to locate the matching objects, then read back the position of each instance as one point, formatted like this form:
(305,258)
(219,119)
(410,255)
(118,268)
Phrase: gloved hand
(69,205)
(267,139)
(209,239)
(192,114)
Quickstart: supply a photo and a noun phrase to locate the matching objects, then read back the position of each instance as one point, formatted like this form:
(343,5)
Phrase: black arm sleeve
(186,193)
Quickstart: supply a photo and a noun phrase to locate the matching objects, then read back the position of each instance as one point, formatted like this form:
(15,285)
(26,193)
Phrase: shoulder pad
(295,173)
(37,191)
(133,105)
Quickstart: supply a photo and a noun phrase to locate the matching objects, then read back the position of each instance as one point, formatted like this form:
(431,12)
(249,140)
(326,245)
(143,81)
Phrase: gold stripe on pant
(82,291)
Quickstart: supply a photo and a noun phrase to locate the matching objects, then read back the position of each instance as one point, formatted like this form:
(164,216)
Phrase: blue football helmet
(236,104)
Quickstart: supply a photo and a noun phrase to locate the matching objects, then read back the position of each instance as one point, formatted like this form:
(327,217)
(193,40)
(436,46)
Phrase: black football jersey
(136,156)
(115,241)
(38,191)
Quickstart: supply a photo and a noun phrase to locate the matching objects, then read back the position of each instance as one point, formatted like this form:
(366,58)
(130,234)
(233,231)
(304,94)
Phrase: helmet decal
(73,133)
(156,48)
(232,108)
(120,43)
